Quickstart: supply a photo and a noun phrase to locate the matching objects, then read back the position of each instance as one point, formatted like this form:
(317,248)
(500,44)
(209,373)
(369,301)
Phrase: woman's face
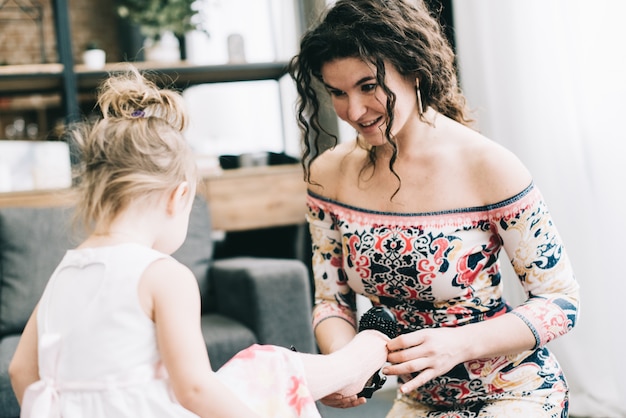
(352,85)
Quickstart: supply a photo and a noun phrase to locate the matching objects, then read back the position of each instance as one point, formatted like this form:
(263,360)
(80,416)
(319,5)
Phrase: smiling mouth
(372,123)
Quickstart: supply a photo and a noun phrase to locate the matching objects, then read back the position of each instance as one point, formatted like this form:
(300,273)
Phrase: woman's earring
(420,107)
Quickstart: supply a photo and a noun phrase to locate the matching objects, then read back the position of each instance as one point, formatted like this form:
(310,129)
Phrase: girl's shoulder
(162,270)
(166,280)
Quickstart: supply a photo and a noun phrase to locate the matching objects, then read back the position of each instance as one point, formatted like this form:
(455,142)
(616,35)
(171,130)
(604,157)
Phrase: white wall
(548,79)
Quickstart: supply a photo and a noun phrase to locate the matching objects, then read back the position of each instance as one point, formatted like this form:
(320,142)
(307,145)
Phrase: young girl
(117,330)
(414,212)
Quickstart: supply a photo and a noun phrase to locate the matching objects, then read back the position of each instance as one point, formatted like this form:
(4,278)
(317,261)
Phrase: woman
(414,213)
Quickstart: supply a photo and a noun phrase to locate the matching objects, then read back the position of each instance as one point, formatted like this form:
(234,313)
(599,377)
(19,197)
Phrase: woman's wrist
(470,343)
(504,335)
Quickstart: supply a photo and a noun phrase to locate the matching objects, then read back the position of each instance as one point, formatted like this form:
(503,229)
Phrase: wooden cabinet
(256,197)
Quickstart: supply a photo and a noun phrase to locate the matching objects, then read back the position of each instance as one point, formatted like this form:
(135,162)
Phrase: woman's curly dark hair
(402,33)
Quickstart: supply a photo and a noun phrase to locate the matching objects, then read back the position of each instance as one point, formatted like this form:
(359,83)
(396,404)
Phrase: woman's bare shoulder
(498,172)
(332,167)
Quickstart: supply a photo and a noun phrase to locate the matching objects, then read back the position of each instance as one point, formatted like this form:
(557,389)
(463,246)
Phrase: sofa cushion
(224,338)
(8,403)
(32,242)
(197,250)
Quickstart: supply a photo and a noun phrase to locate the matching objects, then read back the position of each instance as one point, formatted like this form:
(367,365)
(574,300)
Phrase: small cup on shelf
(94,57)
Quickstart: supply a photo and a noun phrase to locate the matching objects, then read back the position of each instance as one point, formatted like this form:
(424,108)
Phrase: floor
(377,407)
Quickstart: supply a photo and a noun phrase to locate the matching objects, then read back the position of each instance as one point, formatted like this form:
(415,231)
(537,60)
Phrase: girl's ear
(178,198)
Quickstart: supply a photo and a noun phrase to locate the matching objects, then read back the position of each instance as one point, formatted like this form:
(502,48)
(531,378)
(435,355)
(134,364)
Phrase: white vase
(94,58)
(165,49)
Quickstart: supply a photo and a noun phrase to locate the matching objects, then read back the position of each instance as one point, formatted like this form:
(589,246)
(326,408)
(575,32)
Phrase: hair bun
(130,95)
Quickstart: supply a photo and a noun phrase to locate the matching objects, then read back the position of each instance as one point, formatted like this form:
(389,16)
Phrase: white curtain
(548,81)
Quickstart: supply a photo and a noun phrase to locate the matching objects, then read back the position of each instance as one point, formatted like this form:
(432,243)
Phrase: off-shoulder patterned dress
(441,269)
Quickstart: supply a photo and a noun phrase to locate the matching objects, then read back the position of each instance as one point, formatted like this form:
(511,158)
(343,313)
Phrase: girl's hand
(337,400)
(428,353)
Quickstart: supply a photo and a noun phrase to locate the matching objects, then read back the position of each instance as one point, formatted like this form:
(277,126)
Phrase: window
(242,117)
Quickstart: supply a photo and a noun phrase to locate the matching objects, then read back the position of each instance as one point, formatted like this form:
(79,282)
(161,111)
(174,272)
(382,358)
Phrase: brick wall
(20,43)
(90,20)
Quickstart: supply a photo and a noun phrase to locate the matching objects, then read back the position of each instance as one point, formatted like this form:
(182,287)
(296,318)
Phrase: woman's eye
(336,93)
(368,88)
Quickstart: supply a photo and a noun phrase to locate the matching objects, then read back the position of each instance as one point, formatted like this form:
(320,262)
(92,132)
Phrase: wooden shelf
(240,199)
(31,102)
(183,75)
(25,79)
(48,78)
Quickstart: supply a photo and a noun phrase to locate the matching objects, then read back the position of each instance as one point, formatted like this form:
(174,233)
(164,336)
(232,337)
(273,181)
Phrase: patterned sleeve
(540,261)
(333,296)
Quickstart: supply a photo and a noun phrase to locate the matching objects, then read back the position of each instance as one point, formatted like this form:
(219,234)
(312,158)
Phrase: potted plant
(162,21)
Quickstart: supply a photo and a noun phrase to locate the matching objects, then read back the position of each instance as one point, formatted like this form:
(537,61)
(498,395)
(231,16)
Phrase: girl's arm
(175,309)
(24,366)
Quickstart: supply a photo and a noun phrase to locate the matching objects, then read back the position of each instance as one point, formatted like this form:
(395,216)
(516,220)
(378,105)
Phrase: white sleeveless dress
(98,355)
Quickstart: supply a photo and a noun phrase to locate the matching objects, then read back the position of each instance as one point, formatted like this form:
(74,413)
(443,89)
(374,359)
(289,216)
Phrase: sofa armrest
(270,296)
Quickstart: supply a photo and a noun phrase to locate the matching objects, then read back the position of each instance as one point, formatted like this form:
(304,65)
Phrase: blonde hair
(136,150)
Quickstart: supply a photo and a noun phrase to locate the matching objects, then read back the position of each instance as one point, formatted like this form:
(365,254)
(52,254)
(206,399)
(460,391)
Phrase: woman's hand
(435,351)
(427,352)
(337,400)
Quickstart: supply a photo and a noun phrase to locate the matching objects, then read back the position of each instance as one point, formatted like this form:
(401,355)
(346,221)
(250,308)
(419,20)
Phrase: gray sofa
(245,300)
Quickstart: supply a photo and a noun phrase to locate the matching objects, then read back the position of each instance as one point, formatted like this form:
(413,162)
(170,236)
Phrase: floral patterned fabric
(441,269)
(271,381)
